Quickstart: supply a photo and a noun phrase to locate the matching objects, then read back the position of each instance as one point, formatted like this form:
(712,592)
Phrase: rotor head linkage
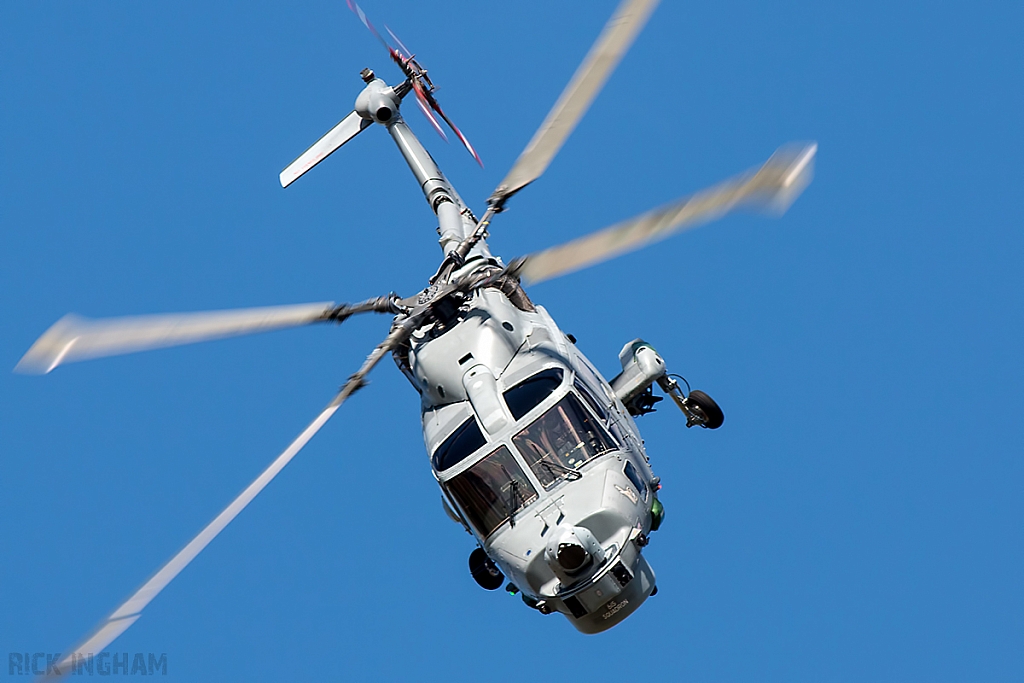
(389,303)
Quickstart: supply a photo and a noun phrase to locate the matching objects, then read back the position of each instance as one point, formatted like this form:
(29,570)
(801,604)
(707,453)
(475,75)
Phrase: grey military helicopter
(538,457)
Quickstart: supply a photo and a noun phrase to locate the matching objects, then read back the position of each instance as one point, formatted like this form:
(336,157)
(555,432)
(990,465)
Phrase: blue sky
(857,517)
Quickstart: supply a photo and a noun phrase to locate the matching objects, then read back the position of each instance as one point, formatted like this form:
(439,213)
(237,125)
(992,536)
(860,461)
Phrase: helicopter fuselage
(536,457)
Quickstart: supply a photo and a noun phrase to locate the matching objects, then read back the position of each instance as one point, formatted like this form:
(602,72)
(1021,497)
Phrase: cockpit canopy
(492,490)
(552,448)
(559,442)
(520,399)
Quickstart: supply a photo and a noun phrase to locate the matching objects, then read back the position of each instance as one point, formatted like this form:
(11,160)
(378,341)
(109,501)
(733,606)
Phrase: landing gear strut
(641,368)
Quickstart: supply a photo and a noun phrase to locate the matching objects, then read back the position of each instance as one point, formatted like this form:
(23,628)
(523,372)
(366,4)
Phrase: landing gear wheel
(484,571)
(715,416)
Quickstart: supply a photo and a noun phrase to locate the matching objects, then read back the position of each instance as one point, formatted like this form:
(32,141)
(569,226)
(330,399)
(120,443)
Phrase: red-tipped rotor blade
(403,57)
(401,45)
(462,138)
(421,100)
(358,11)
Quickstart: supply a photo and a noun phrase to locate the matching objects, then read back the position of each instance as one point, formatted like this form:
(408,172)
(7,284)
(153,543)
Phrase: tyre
(715,416)
(484,571)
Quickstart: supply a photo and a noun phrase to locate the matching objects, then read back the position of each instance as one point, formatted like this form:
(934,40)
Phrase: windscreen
(561,440)
(492,491)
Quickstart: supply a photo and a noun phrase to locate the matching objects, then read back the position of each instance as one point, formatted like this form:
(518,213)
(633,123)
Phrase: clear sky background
(857,518)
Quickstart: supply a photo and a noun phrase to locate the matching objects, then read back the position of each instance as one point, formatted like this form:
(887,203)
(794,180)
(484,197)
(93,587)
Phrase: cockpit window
(524,397)
(561,440)
(459,446)
(492,491)
(585,392)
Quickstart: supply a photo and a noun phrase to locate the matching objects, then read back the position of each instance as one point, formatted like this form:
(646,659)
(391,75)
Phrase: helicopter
(538,457)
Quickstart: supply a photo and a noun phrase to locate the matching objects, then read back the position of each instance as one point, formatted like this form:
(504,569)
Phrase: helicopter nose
(572,557)
(572,551)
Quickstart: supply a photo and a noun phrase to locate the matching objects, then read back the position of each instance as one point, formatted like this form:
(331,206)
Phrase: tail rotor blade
(455,129)
(396,55)
(424,105)
(417,76)
(358,11)
(774,186)
(401,46)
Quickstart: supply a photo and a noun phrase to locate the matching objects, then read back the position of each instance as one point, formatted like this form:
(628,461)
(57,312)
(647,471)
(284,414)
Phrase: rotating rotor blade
(429,98)
(590,77)
(73,338)
(130,611)
(402,49)
(347,128)
(417,76)
(358,11)
(774,186)
(424,105)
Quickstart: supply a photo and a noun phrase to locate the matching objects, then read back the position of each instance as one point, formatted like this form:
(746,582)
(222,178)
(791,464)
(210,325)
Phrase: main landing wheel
(484,571)
(713,414)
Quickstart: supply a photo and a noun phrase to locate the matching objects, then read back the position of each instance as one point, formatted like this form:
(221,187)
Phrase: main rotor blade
(73,338)
(347,128)
(129,612)
(774,186)
(590,77)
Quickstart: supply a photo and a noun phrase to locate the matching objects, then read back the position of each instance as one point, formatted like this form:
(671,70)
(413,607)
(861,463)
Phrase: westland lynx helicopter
(537,456)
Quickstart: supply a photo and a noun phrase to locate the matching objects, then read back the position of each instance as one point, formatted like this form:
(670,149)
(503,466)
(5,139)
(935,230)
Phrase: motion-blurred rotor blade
(417,76)
(455,129)
(424,105)
(590,77)
(347,128)
(129,612)
(366,22)
(405,52)
(73,338)
(774,187)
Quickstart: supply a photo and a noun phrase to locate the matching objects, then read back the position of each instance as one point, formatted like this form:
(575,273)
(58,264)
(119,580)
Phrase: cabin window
(492,491)
(585,392)
(559,442)
(459,446)
(634,477)
(525,396)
